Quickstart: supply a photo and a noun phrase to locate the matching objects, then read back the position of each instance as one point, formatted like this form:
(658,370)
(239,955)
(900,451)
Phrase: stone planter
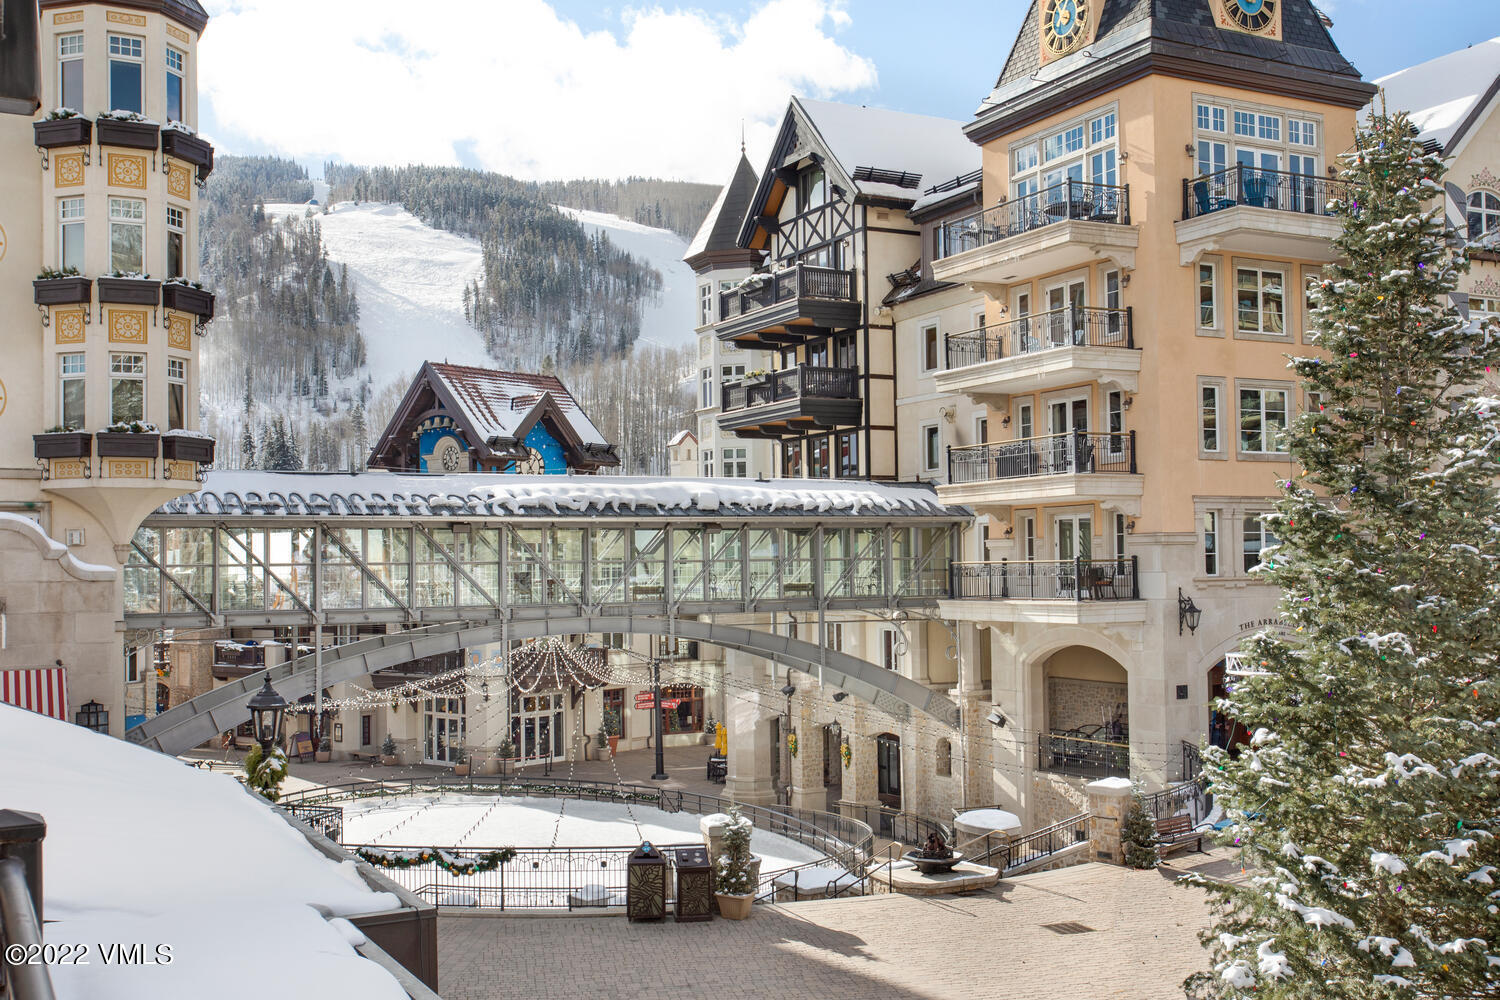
(734,907)
(118,444)
(187,449)
(185,146)
(130,291)
(932,866)
(131,135)
(460,770)
(74,290)
(186,298)
(68,444)
(322,756)
(77,131)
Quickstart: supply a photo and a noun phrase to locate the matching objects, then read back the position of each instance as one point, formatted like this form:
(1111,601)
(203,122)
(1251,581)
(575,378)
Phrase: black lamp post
(656,719)
(1188,613)
(267,714)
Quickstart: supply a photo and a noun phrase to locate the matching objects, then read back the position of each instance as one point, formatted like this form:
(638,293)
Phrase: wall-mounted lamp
(1188,613)
(996,719)
(1189,149)
(1129,527)
(1129,398)
(1005,420)
(1010,529)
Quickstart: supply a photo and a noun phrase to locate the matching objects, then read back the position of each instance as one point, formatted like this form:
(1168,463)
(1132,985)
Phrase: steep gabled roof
(717,239)
(1446,96)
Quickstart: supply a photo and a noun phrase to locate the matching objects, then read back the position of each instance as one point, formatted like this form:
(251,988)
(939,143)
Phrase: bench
(1174,833)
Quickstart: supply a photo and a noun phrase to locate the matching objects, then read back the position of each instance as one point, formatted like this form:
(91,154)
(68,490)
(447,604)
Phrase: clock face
(1252,15)
(533,464)
(450,455)
(1064,24)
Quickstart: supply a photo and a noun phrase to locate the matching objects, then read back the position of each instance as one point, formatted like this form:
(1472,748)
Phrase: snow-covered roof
(932,198)
(496,403)
(680,437)
(884,140)
(391,494)
(720,230)
(141,847)
(1442,95)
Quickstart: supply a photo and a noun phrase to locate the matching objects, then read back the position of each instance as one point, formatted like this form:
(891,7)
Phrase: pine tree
(1367,800)
(249,399)
(247,448)
(1138,836)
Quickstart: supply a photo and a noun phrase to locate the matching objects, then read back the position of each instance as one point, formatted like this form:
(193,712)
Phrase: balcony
(1075,753)
(1044,351)
(71,458)
(1047,592)
(1063,226)
(792,401)
(1056,468)
(786,307)
(1259,212)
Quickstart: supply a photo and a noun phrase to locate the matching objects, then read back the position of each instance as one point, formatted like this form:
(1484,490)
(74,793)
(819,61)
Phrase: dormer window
(813,189)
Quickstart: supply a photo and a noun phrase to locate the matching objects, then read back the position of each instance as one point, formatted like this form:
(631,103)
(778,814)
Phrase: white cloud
(514,85)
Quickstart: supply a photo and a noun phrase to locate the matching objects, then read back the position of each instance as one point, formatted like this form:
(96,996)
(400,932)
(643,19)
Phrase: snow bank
(141,848)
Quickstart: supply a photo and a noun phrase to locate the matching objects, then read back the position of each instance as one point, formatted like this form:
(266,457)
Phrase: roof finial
(742,137)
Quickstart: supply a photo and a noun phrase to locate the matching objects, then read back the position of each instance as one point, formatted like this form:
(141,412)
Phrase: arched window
(1484,214)
(944,759)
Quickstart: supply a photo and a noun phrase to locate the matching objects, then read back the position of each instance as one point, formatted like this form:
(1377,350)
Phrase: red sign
(644,700)
(670,702)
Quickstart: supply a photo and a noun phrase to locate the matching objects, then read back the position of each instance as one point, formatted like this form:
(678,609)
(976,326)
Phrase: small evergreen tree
(1368,798)
(733,875)
(264,772)
(1138,836)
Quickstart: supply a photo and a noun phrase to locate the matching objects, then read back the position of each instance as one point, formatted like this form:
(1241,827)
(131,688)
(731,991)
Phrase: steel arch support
(199,719)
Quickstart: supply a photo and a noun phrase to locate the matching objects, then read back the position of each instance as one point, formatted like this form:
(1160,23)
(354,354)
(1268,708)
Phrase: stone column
(750,749)
(808,791)
(1108,801)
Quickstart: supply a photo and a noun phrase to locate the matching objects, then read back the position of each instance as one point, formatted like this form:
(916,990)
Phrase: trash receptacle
(646,884)
(695,884)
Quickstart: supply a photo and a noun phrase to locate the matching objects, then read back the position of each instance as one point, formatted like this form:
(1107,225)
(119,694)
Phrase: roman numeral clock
(1253,17)
(1066,25)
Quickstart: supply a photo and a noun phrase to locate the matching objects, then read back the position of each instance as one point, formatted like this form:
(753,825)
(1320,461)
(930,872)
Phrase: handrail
(1081,755)
(1262,187)
(795,282)
(1045,455)
(1117,579)
(1191,793)
(19,927)
(803,381)
(1071,326)
(1068,200)
(1023,849)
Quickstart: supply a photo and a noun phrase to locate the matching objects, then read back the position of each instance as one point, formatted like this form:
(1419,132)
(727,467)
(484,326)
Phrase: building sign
(645,701)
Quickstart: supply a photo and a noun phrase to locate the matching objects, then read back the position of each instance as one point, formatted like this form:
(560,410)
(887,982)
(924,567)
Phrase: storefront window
(681,709)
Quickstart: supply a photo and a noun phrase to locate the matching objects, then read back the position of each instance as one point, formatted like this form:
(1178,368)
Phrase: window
(1114,415)
(1028,538)
(931,447)
(1258,301)
(176,394)
(1213,157)
(70,71)
(1263,421)
(848,454)
(1484,214)
(127,388)
(70,370)
(175,60)
(1026,158)
(706,383)
(614,707)
(981,430)
(1244,123)
(70,234)
(845,351)
(1114,319)
(705,304)
(1211,118)
(1069,140)
(814,189)
(1301,133)
(706,456)
(1087,145)
(731,373)
(1102,128)
(1210,401)
(929,347)
(1102,167)
(1208,310)
(1257,537)
(833,635)
(1210,543)
(127,235)
(791,459)
(176,226)
(1025,426)
(366,726)
(890,649)
(125,59)
(1268,127)
(1119,536)
(736,463)
(983,542)
(817,458)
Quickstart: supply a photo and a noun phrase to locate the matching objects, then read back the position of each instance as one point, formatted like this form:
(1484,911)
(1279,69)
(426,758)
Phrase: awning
(43,690)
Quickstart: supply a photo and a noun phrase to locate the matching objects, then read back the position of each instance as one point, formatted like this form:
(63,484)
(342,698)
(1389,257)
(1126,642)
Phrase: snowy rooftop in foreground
(143,848)
(380,493)
(1442,93)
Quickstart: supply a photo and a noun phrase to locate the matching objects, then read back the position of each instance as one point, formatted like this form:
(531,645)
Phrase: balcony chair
(1256,191)
(1204,202)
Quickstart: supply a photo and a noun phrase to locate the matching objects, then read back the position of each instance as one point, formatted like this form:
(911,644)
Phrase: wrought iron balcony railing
(1051,455)
(1262,188)
(1048,580)
(1065,752)
(796,282)
(1084,326)
(1075,200)
(802,382)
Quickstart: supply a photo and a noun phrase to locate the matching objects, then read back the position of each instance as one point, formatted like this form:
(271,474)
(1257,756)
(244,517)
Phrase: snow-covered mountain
(667,322)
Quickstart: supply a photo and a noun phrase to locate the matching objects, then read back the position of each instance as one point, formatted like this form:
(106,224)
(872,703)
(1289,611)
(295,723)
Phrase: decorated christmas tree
(1365,805)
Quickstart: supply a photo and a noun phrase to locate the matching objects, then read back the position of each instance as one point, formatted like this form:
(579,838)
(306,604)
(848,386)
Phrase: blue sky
(567,88)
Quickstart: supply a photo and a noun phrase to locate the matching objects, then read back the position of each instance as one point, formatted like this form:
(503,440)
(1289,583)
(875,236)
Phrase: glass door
(1025,339)
(1259,186)
(536,725)
(1065,313)
(443,730)
(1073,536)
(888,769)
(1069,427)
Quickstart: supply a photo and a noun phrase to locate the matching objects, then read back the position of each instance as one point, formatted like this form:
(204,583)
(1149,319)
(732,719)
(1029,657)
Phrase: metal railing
(20,928)
(804,381)
(1062,753)
(1192,761)
(895,824)
(1189,796)
(796,282)
(327,820)
(1051,580)
(1049,455)
(1035,846)
(1262,188)
(1071,199)
(1083,326)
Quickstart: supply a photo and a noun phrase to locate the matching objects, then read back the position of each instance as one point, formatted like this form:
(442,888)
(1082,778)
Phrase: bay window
(175,60)
(70,391)
(176,394)
(127,388)
(127,235)
(125,63)
(70,234)
(70,72)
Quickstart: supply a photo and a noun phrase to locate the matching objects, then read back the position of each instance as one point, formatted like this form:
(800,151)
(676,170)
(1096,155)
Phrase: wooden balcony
(791,402)
(787,307)
(1267,213)
(1043,351)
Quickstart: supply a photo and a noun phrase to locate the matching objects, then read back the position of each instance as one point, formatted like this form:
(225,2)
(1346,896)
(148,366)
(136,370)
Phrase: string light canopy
(551,664)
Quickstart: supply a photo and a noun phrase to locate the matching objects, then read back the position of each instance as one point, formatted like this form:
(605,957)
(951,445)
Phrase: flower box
(71,290)
(186,298)
(131,135)
(64,444)
(117,444)
(186,146)
(187,448)
(130,291)
(55,132)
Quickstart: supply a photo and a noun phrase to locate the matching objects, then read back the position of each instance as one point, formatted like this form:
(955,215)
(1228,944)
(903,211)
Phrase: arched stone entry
(1223,731)
(888,769)
(1086,713)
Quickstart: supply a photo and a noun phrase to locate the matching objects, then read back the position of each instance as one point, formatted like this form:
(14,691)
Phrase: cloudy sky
(569,88)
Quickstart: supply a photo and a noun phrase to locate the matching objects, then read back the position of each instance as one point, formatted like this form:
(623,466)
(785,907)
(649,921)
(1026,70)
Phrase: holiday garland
(846,752)
(791,743)
(451,863)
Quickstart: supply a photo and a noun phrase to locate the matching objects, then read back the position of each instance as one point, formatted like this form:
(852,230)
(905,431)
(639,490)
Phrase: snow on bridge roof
(389,494)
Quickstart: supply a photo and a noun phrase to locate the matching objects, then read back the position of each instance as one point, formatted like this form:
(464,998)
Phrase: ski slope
(668,321)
